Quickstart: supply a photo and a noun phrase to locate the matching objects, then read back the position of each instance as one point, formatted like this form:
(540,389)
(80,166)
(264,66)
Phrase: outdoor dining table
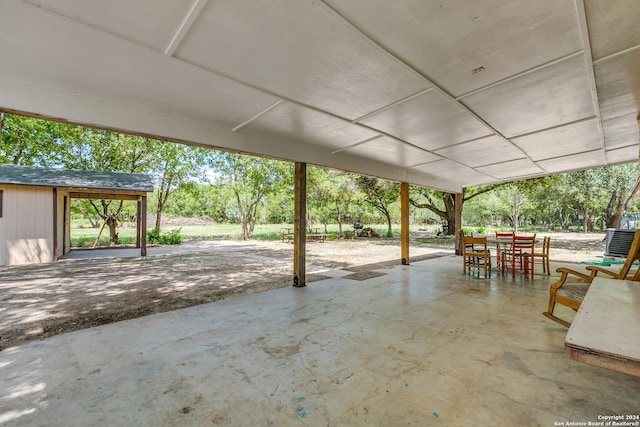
(504,243)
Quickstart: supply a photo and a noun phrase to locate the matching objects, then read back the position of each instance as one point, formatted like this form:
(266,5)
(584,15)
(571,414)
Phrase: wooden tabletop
(606,330)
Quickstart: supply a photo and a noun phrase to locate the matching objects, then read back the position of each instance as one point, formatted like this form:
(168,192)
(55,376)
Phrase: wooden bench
(287,236)
(318,237)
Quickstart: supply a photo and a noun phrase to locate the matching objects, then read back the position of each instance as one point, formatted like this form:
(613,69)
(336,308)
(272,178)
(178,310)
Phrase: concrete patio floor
(420,345)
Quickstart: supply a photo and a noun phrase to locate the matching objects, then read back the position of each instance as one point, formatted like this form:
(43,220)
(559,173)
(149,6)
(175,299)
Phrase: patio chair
(573,285)
(475,254)
(543,255)
(518,255)
(509,235)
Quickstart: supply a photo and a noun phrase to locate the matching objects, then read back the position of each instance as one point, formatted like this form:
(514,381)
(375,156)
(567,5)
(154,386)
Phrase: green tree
(444,204)
(515,204)
(330,195)
(29,141)
(623,184)
(250,179)
(101,150)
(177,164)
(585,196)
(380,194)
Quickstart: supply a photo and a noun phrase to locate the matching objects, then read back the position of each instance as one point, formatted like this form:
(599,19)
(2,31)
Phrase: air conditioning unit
(618,242)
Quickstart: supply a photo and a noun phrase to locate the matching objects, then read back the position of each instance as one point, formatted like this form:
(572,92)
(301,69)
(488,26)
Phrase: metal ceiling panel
(484,151)
(396,152)
(623,155)
(514,169)
(301,51)
(429,121)
(151,23)
(462,46)
(618,81)
(126,74)
(561,141)
(611,31)
(574,162)
(621,131)
(302,125)
(462,173)
(548,97)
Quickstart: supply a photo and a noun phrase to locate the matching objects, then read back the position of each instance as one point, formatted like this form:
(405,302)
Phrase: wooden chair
(475,254)
(543,255)
(570,291)
(519,254)
(508,234)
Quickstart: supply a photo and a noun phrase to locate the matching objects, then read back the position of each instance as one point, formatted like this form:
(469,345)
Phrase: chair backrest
(634,255)
(505,234)
(524,243)
(475,243)
(546,244)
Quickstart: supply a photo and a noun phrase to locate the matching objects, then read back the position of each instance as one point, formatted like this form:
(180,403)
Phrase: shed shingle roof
(53,177)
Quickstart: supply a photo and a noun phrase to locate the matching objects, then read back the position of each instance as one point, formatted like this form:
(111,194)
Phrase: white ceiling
(439,94)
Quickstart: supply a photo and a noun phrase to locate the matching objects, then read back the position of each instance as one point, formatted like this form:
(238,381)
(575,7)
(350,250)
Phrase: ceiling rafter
(586,42)
(185,26)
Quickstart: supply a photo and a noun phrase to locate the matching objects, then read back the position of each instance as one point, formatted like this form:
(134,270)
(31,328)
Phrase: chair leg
(556,319)
(549,312)
(547,264)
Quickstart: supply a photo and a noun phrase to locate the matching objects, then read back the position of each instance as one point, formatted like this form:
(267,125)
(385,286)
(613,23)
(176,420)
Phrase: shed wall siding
(26,227)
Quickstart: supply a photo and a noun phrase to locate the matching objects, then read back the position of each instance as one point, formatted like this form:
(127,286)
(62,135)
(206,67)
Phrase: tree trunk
(585,214)
(449,200)
(339,219)
(617,208)
(389,232)
(112,223)
(159,215)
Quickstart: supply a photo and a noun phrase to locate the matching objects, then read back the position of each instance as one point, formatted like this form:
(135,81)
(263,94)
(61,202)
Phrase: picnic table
(313,233)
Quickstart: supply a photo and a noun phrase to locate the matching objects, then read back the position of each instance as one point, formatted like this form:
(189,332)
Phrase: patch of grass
(82,236)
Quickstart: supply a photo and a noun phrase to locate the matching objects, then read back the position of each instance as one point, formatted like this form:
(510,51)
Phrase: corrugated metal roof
(53,177)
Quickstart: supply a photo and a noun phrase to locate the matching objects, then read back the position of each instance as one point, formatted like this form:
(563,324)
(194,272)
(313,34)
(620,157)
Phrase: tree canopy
(227,187)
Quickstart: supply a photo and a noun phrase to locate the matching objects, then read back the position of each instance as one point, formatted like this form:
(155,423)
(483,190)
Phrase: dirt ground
(39,301)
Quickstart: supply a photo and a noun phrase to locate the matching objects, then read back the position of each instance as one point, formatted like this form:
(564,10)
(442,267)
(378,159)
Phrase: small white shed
(34,208)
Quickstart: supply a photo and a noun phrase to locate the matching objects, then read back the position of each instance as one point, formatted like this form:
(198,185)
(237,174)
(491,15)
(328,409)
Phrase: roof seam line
(255,117)
(616,54)
(373,138)
(393,104)
(521,74)
(185,26)
(575,122)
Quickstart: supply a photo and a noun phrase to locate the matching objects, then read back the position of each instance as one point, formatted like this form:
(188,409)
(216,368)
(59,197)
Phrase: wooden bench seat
(319,237)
